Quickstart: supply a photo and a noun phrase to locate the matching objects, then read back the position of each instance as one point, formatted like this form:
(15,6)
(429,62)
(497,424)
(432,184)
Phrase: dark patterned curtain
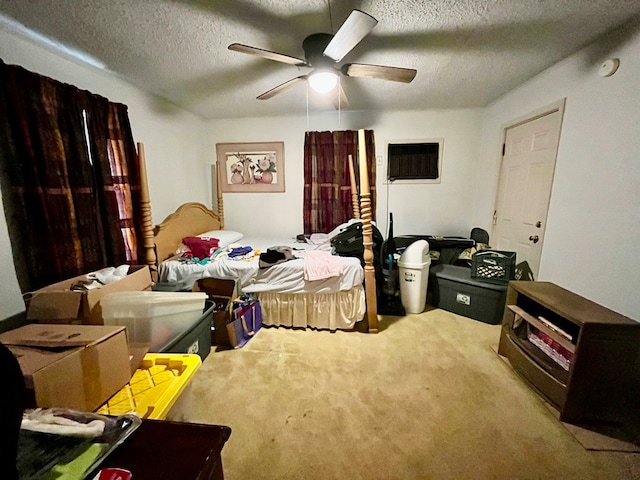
(66,156)
(327,186)
(118,179)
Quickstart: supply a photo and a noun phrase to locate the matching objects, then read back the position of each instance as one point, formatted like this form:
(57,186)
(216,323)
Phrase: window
(69,179)
(328,200)
(417,160)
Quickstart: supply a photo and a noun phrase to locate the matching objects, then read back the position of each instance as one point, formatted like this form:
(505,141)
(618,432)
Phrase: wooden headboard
(190,219)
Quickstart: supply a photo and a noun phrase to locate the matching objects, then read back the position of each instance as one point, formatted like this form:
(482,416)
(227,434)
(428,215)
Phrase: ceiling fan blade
(283,86)
(278,57)
(340,101)
(395,74)
(357,25)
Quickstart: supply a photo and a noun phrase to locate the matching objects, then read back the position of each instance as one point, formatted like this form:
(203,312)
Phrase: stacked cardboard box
(58,303)
(70,366)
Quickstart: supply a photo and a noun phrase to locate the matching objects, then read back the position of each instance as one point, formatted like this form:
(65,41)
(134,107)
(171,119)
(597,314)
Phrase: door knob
(534,238)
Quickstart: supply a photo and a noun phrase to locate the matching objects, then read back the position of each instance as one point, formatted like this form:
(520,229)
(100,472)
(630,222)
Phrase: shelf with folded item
(580,356)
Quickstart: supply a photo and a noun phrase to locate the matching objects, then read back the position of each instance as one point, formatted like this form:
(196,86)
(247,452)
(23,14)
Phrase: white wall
(594,219)
(439,209)
(593,227)
(173,141)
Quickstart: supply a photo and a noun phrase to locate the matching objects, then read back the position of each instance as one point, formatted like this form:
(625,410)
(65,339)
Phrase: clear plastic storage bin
(153,318)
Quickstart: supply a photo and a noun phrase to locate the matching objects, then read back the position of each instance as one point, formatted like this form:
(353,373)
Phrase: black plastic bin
(198,338)
(455,291)
(493,266)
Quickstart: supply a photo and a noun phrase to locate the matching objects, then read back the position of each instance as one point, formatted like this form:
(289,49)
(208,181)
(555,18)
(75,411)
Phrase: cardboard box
(137,351)
(222,292)
(70,366)
(57,303)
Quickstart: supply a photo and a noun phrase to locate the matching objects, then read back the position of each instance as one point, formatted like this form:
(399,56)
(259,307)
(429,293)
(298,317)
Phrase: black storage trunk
(455,291)
(197,339)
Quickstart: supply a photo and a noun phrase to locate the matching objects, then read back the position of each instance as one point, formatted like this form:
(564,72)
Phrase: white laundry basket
(414,276)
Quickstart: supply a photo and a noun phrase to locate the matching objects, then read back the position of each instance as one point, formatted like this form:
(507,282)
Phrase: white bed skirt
(332,311)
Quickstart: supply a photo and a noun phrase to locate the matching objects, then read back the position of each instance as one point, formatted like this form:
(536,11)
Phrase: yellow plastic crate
(155,386)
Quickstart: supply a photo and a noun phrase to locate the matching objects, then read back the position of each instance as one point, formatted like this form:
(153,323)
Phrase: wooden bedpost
(219,196)
(367,237)
(355,202)
(147,223)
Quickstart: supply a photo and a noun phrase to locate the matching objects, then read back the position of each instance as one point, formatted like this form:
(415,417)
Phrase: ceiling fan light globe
(323,82)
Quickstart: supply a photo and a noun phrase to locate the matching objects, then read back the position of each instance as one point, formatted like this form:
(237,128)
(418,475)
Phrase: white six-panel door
(524,188)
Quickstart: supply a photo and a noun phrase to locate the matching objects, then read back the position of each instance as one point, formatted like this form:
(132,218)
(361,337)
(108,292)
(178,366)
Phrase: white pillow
(225,237)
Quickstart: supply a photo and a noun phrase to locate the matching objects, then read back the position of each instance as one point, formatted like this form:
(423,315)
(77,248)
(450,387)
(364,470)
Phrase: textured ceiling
(466,52)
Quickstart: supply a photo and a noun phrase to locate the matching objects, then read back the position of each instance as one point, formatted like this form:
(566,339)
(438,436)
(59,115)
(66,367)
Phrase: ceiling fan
(323,52)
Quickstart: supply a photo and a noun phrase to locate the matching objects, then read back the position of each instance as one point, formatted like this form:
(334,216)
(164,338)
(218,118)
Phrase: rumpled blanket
(320,264)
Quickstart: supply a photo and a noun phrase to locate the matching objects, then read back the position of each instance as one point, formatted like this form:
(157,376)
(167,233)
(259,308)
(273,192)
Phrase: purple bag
(247,320)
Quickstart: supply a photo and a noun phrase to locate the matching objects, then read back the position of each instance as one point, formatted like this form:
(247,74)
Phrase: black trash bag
(523,272)
(13,401)
(349,243)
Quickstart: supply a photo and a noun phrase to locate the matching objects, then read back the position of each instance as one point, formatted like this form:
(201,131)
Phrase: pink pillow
(200,247)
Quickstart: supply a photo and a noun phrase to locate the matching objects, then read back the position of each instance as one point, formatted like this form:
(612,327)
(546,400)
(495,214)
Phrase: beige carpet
(426,398)
(611,438)
(600,437)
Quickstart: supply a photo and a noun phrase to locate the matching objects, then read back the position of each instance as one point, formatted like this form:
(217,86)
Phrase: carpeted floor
(426,398)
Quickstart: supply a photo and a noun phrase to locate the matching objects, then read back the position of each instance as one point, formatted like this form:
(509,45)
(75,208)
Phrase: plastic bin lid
(155,386)
(153,297)
(149,304)
(460,274)
(416,255)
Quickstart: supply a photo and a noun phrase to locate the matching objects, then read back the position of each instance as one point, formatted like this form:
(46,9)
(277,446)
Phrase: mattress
(286,277)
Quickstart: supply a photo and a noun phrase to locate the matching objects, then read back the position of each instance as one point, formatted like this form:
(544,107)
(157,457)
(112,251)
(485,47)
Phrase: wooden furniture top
(570,305)
(164,450)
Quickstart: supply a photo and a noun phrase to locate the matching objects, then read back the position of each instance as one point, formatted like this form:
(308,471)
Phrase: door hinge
(504,148)
(495,217)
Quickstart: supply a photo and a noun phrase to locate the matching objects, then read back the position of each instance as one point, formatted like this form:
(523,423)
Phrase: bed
(287,299)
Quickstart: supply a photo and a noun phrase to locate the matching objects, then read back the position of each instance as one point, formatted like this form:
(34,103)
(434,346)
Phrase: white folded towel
(109,274)
(46,421)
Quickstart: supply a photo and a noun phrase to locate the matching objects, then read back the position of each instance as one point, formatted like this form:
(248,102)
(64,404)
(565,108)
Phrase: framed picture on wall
(251,167)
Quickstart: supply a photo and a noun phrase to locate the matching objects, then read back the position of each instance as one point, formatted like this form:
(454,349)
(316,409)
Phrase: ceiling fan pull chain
(330,16)
(308,129)
(339,109)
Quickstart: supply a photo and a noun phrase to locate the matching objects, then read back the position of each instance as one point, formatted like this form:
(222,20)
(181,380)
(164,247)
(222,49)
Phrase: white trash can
(414,276)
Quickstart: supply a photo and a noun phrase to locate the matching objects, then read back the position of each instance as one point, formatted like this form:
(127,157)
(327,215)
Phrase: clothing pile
(101,277)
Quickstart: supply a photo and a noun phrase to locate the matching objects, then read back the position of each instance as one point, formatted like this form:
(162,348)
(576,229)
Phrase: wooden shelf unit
(602,383)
